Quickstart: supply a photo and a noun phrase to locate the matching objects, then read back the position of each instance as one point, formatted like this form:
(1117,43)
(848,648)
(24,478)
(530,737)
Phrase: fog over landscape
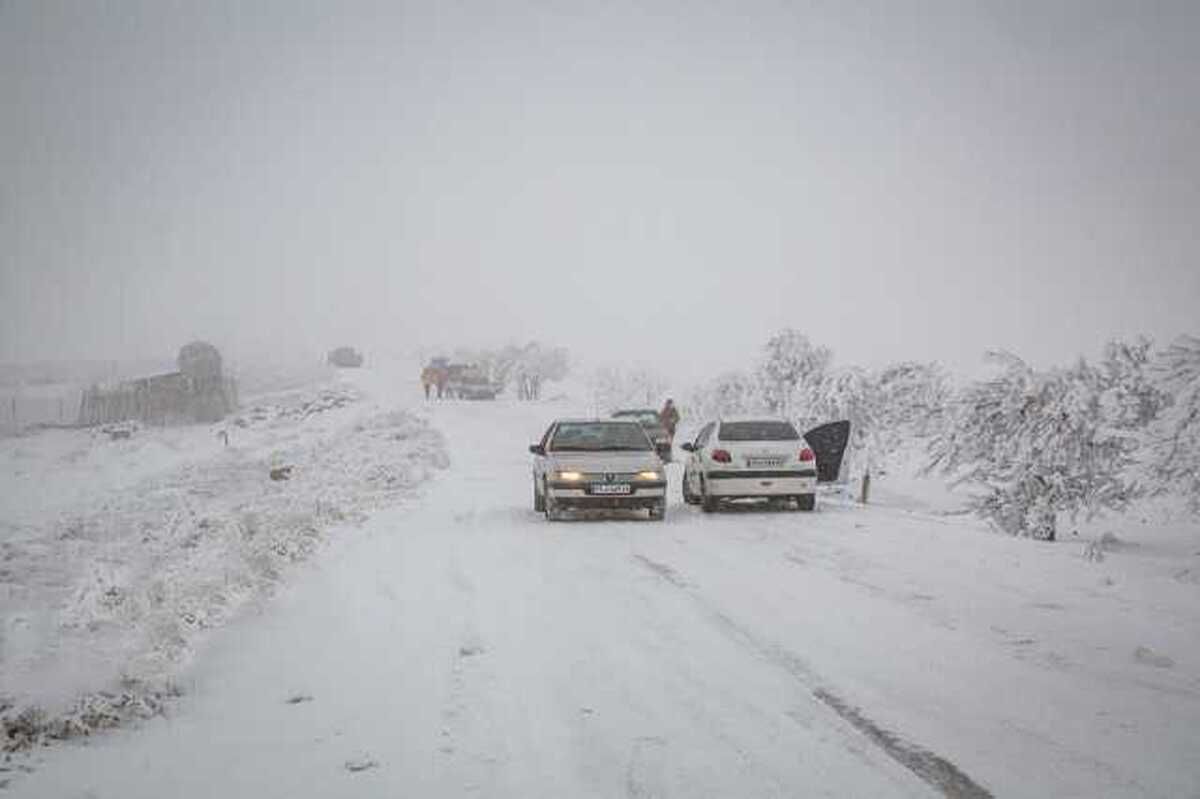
(575,399)
(900,181)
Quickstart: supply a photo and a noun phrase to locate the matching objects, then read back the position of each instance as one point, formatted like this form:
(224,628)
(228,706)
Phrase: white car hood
(604,461)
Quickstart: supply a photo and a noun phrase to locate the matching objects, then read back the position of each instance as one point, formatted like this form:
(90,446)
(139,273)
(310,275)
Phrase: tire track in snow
(930,767)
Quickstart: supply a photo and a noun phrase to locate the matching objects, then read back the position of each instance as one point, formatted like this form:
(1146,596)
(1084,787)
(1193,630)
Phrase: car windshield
(758,431)
(599,437)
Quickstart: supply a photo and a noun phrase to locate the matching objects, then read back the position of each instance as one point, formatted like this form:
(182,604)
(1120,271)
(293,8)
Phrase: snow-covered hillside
(464,645)
(124,546)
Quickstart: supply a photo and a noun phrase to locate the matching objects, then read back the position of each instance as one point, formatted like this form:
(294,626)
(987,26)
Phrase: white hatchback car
(753,458)
(595,464)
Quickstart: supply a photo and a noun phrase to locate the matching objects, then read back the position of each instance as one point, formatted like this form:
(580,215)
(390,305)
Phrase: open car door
(829,443)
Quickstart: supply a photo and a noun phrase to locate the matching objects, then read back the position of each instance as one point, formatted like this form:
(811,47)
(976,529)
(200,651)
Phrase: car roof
(749,418)
(593,421)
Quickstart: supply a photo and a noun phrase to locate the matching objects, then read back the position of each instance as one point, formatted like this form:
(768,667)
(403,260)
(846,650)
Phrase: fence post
(866,487)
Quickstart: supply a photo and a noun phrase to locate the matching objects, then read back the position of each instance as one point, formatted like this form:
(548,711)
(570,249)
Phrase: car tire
(707,504)
(539,499)
(806,502)
(658,511)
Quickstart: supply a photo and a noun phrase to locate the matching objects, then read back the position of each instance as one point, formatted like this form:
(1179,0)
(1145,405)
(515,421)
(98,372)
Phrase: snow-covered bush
(1172,451)
(1034,445)
(912,399)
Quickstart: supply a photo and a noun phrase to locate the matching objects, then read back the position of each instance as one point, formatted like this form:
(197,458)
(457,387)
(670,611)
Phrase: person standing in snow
(669,416)
(428,379)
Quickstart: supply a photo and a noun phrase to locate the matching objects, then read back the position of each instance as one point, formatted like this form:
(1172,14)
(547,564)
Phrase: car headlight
(650,476)
(569,477)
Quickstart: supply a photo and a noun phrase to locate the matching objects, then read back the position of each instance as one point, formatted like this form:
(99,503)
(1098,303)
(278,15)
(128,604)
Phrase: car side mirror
(687,446)
(537,449)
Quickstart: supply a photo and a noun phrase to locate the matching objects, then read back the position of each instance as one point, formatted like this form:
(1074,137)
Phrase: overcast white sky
(671,181)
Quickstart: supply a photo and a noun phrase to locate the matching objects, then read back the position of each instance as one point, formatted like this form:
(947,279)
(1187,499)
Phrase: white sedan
(752,458)
(597,465)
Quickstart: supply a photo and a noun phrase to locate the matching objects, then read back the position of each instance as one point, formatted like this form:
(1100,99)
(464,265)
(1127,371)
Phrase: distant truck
(345,358)
(470,381)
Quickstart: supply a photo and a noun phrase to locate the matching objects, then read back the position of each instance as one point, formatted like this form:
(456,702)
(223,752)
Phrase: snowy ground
(118,554)
(464,646)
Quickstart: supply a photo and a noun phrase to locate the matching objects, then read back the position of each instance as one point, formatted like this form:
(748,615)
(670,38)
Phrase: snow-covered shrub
(1034,445)
(1131,398)
(912,400)
(1172,452)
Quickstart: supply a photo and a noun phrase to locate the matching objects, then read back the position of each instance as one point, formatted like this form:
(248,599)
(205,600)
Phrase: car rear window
(599,437)
(757,431)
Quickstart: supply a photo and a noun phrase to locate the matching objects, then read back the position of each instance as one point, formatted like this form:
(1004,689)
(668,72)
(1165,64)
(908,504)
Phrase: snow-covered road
(465,646)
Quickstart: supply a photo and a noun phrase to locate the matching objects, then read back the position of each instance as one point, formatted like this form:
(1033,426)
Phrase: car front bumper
(572,495)
(737,484)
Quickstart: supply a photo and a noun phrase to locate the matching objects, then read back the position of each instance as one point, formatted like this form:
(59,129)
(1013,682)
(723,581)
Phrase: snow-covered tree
(536,364)
(912,399)
(792,371)
(852,394)
(730,393)
(615,387)
(1172,452)
(1034,445)
(1131,397)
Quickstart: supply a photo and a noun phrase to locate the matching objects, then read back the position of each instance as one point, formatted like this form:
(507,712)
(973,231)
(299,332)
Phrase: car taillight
(807,455)
(721,456)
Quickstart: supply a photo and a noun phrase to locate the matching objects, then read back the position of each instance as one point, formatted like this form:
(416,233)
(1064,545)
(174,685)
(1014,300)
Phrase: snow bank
(117,556)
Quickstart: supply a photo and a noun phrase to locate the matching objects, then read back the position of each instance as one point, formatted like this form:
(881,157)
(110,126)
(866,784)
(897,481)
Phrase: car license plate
(759,463)
(612,488)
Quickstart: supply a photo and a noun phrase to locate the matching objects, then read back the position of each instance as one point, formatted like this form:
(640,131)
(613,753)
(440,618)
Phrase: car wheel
(539,500)
(806,502)
(707,504)
(658,511)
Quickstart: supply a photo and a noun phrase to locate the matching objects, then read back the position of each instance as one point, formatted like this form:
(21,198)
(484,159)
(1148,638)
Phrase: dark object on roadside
(345,358)
(652,423)
(281,473)
(829,442)
(120,432)
(198,392)
(361,764)
(199,361)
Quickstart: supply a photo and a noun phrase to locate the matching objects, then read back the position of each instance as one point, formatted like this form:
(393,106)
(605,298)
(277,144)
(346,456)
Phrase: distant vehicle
(345,358)
(652,423)
(599,464)
(469,381)
(760,458)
